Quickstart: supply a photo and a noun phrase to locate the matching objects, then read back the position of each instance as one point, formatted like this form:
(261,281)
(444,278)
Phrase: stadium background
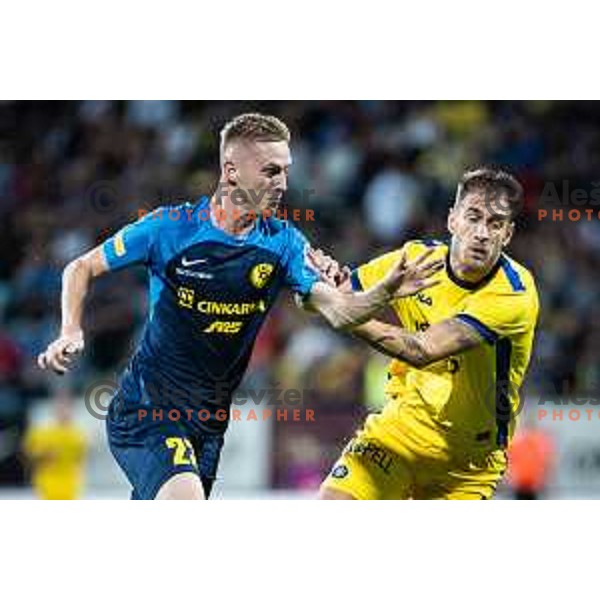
(375,174)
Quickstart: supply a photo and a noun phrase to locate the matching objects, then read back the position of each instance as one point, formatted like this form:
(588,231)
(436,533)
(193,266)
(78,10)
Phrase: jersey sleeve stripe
(512,275)
(484,331)
(112,253)
(503,387)
(431,243)
(355,280)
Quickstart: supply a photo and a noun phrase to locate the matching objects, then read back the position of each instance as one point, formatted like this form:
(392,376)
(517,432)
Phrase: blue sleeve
(355,281)
(300,277)
(133,244)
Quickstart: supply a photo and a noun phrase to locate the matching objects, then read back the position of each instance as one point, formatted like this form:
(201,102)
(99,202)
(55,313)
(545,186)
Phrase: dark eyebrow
(274,167)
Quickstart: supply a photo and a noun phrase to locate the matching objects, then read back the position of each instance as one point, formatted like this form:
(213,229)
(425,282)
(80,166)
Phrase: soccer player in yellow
(460,356)
(57,452)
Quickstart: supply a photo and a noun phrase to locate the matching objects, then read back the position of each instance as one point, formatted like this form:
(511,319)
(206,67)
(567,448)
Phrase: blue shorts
(151,452)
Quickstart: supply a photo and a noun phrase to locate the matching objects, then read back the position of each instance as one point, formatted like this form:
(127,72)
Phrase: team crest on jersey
(340,472)
(261,274)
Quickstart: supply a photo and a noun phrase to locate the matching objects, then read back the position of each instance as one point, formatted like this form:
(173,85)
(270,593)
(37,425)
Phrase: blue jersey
(210,292)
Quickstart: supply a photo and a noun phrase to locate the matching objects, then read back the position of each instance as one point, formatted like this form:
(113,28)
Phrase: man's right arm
(131,245)
(345,310)
(76,279)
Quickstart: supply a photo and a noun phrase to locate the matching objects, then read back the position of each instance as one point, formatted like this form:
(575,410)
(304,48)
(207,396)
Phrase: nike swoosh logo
(189,263)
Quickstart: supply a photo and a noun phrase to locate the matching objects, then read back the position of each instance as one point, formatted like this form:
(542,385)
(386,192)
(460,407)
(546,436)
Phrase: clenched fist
(61,353)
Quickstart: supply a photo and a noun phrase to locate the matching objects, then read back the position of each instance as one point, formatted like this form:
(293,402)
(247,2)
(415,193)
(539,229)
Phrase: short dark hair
(254,127)
(498,184)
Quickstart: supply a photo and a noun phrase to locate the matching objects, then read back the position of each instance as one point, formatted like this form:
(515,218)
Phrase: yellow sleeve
(497,314)
(369,274)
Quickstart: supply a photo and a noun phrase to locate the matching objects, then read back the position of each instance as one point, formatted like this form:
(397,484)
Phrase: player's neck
(229,219)
(465,276)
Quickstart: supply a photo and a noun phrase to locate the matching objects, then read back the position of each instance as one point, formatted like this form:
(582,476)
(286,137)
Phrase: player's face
(260,169)
(478,234)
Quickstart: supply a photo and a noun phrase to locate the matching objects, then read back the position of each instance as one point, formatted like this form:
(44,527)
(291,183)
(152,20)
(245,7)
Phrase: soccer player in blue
(215,269)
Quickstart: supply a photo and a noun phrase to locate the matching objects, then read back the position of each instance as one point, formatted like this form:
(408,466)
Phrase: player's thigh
(157,461)
(182,486)
(151,454)
(329,493)
(367,470)
(476,480)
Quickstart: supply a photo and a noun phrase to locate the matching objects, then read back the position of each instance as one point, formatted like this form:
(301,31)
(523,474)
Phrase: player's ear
(510,230)
(230,173)
(451,223)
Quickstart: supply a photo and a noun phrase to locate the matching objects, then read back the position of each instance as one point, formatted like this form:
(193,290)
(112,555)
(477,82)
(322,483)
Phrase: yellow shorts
(415,459)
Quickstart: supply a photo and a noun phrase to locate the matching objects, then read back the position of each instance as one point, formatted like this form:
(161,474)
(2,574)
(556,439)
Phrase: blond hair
(254,127)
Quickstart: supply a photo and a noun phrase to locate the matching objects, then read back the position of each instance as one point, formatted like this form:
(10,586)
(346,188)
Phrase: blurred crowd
(375,173)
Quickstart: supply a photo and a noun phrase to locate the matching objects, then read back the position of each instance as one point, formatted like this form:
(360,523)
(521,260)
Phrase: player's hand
(61,353)
(330,270)
(407,278)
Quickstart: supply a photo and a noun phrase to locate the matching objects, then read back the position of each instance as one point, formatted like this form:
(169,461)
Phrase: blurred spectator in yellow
(56,453)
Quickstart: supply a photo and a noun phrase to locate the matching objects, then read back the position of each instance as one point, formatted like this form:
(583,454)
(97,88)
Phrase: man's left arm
(440,341)
(485,318)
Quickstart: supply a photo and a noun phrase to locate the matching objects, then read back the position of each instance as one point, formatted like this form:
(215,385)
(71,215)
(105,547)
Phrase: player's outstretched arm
(346,310)
(440,341)
(76,279)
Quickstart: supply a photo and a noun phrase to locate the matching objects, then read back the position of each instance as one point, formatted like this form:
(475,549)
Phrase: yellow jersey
(57,452)
(475,393)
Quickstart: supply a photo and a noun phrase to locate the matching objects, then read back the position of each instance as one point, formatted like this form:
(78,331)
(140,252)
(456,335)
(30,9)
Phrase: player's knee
(183,486)
(327,493)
